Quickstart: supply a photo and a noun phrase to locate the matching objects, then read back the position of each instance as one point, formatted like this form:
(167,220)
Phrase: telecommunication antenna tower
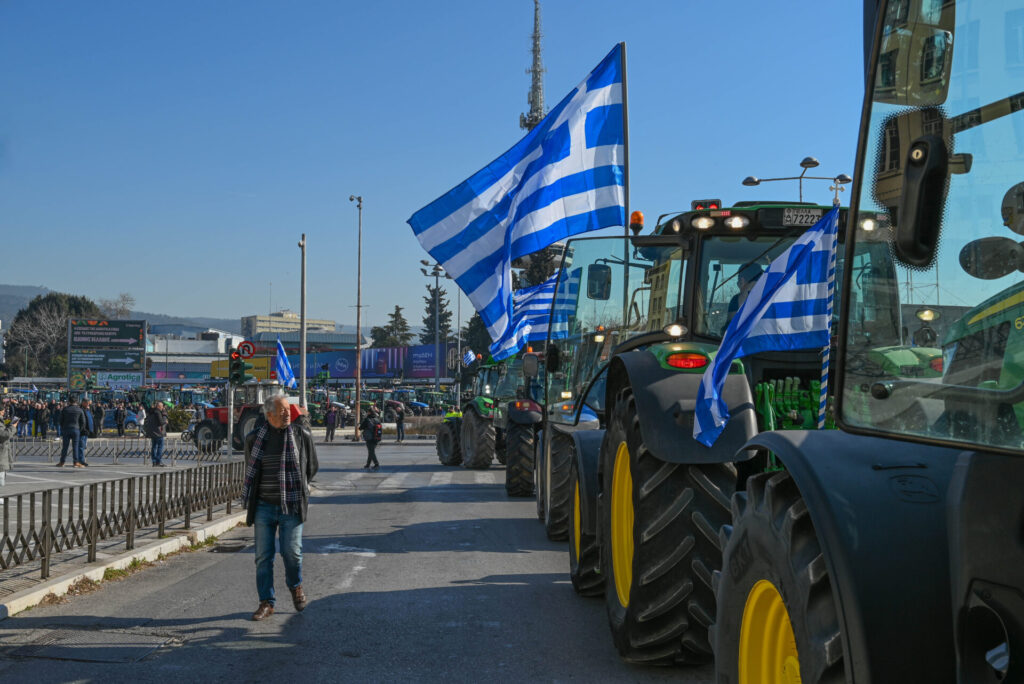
(536,96)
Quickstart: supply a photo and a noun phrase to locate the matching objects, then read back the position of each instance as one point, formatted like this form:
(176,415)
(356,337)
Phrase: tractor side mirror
(552,358)
(531,365)
(599,281)
(993,257)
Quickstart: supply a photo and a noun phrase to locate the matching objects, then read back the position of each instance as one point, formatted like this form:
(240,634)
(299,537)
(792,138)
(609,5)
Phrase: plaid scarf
(290,476)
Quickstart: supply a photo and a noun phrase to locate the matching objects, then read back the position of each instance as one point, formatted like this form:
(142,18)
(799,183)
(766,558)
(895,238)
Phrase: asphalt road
(414,573)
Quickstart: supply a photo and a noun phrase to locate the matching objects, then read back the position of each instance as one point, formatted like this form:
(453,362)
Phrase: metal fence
(117,448)
(40,524)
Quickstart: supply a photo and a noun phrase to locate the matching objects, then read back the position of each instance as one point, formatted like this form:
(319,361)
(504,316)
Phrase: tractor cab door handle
(925,179)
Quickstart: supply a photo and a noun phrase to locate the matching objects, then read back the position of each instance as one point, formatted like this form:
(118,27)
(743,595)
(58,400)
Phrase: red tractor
(212,430)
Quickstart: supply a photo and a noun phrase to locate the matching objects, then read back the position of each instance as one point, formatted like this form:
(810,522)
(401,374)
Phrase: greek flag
(469,357)
(789,307)
(565,177)
(283,367)
(538,311)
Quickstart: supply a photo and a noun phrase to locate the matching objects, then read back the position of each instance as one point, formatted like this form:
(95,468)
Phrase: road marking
(354,550)
(489,477)
(350,577)
(441,479)
(397,481)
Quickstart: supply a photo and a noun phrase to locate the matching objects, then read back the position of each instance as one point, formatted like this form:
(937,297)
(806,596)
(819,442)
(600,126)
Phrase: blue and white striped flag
(533,317)
(283,367)
(565,177)
(789,307)
(469,357)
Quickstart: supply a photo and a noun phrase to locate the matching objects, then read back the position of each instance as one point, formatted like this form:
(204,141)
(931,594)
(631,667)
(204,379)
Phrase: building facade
(283,321)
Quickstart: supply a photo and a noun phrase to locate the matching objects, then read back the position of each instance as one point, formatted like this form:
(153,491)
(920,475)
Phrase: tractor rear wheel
(477,441)
(584,551)
(539,486)
(499,448)
(519,467)
(776,607)
(448,451)
(207,437)
(660,545)
(558,488)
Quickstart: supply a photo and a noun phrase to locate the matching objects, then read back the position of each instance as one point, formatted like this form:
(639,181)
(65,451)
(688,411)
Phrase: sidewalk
(21,586)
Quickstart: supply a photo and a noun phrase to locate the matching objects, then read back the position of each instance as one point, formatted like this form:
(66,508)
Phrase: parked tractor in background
(477,437)
(211,431)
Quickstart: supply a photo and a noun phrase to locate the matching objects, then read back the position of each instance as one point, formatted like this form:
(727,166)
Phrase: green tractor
(517,416)
(467,436)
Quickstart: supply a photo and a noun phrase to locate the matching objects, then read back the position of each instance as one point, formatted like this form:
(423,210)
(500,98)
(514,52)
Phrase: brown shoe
(299,599)
(265,610)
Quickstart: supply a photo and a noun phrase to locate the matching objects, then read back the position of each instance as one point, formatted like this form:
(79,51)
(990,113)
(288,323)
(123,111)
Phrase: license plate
(794,216)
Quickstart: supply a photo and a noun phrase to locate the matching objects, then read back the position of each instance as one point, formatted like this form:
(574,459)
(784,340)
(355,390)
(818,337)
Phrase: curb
(23,600)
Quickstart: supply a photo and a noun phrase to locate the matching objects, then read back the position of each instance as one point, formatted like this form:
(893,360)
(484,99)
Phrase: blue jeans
(400,431)
(156,452)
(269,519)
(69,437)
(83,439)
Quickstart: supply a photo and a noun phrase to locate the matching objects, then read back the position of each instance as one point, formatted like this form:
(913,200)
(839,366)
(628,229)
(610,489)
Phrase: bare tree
(120,307)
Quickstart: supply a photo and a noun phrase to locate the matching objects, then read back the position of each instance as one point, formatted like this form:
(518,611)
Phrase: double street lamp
(437,271)
(806,164)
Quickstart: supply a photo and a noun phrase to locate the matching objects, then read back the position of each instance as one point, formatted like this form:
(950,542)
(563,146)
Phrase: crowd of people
(42,418)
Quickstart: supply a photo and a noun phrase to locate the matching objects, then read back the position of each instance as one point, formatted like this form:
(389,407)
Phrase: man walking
(331,422)
(280,462)
(42,419)
(372,434)
(156,430)
(399,423)
(72,423)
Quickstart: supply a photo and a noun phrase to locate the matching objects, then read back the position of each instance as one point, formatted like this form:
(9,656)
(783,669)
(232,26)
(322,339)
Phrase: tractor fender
(523,416)
(667,399)
(587,448)
(879,510)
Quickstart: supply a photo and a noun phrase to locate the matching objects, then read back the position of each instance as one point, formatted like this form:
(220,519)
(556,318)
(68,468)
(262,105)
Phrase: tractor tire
(539,487)
(519,468)
(389,416)
(776,605)
(207,437)
(584,551)
(659,530)
(477,441)
(558,489)
(499,448)
(246,424)
(448,450)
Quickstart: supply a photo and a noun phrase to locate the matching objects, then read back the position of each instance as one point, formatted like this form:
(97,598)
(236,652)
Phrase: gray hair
(268,403)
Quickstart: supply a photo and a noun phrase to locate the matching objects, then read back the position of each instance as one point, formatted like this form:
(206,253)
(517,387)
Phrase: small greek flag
(789,307)
(533,317)
(34,388)
(283,367)
(469,357)
(565,177)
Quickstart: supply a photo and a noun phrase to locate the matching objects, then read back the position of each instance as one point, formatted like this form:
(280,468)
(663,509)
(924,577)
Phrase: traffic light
(236,369)
(698,205)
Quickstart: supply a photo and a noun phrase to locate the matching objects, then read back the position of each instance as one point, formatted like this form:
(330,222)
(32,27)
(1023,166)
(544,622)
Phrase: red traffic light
(235,355)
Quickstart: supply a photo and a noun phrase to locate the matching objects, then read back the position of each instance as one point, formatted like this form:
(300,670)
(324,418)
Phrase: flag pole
(625,179)
(826,352)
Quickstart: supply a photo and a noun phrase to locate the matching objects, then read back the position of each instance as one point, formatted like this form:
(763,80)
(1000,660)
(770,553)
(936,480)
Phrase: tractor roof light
(566,395)
(702,222)
(927,314)
(737,222)
(599,338)
(687,360)
(675,330)
(868,225)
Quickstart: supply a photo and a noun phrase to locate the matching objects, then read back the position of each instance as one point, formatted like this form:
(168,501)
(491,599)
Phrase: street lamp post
(358,199)
(302,327)
(806,163)
(437,271)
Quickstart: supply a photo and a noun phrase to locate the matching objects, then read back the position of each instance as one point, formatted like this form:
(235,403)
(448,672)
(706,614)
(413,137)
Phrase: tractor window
(944,272)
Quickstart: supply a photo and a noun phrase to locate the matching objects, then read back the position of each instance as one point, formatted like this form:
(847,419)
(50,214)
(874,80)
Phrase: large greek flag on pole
(565,177)
(533,317)
(789,307)
(283,367)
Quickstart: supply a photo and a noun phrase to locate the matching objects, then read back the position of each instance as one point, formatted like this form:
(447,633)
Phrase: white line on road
(354,550)
(350,577)
(441,479)
(397,481)
(488,477)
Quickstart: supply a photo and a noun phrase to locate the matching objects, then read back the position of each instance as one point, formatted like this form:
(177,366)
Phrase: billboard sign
(121,359)
(118,380)
(383,362)
(93,334)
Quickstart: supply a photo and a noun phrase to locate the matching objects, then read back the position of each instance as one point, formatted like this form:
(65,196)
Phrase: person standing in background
(6,453)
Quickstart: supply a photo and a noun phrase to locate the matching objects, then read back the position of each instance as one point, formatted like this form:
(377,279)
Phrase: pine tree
(427,335)
(393,334)
(475,337)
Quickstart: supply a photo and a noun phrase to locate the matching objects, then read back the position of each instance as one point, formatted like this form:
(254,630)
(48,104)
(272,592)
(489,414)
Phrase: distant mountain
(14,298)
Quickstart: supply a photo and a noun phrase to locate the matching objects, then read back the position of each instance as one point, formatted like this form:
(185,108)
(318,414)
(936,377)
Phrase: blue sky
(177,150)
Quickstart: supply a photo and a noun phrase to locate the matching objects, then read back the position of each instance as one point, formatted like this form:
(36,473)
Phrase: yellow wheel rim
(622,524)
(576,534)
(767,645)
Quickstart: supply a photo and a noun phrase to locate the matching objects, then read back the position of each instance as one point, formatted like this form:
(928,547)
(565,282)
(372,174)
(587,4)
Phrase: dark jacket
(156,424)
(72,418)
(120,415)
(368,426)
(308,467)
